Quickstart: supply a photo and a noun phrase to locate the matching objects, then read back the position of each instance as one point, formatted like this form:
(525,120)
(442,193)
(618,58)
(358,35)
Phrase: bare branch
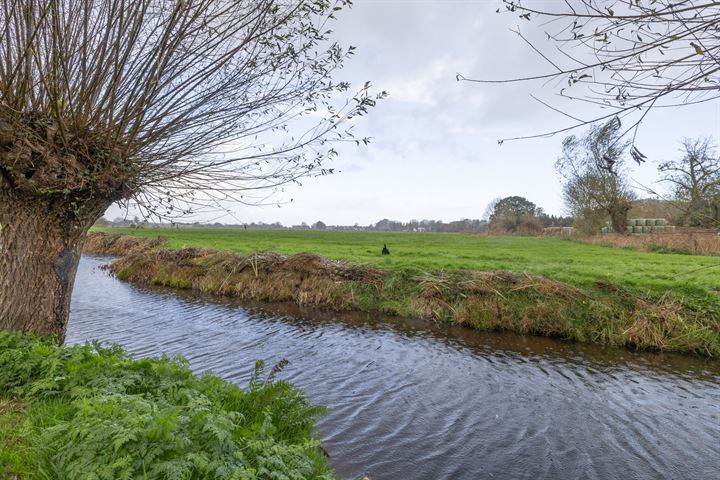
(631,56)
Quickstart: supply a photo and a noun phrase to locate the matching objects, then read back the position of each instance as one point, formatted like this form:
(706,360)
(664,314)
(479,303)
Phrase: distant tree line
(512,214)
(464,225)
(385,225)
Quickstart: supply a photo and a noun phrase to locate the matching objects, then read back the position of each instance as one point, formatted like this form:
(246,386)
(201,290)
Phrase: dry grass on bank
(304,278)
(573,263)
(119,245)
(689,243)
(602,313)
(529,304)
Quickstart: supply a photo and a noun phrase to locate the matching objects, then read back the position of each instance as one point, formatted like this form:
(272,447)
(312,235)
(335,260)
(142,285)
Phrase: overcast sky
(434,152)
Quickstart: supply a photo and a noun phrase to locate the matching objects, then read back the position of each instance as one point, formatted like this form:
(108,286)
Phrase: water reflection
(411,399)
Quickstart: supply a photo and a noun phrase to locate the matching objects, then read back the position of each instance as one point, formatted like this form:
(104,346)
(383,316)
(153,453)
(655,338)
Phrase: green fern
(94,413)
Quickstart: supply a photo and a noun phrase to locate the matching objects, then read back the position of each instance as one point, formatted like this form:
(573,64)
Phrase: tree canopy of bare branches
(170,104)
(626,57)
(594,182)
(695,180)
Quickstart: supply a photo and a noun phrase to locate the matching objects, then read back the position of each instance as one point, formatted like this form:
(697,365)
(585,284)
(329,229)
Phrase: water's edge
(500,300)
(413,399)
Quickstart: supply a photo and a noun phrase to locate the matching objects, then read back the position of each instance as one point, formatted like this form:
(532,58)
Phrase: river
(408,399)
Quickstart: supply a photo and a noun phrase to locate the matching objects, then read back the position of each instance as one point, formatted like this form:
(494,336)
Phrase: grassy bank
(543,286)
(563,260)
(95,413)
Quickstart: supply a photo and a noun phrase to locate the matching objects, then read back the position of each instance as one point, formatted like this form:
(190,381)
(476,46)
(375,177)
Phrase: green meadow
(574,263)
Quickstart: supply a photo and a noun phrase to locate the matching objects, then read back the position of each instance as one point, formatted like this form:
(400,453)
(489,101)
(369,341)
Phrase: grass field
(578,264)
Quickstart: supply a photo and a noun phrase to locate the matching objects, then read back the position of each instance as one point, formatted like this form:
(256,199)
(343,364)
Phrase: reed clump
(498,300)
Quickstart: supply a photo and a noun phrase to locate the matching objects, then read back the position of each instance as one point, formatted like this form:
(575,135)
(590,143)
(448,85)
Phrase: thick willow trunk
(618,215)
(40,246)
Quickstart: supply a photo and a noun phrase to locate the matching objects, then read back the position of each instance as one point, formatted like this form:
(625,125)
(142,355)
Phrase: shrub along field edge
(684,243)
(93,412)
(603,313)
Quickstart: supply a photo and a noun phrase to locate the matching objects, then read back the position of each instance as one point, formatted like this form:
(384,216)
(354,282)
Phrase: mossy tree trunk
(618,211)
(40,246)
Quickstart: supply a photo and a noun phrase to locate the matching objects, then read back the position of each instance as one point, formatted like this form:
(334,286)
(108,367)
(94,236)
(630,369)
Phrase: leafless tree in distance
(695,181)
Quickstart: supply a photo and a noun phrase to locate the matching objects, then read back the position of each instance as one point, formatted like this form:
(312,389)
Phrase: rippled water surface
(412,400)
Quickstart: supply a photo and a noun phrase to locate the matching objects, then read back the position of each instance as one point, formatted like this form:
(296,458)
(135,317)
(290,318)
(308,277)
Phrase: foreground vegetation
(545,286)
(96,413)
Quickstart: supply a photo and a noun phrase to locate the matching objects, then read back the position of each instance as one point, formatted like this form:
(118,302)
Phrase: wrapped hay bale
(637,229)
(649,222)
(658,229)
(660,222)
(639,222)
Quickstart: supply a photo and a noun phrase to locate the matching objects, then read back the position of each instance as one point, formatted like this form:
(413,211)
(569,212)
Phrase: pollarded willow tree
(627,57)
(166,103)
(595,185)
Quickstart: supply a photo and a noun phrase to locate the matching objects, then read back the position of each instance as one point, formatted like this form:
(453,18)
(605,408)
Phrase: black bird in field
(385,250)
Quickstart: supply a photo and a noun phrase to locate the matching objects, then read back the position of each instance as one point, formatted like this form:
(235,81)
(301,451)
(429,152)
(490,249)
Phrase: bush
(96,413)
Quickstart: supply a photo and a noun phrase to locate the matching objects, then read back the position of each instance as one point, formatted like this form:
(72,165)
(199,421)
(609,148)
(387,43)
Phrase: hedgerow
(93,412)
